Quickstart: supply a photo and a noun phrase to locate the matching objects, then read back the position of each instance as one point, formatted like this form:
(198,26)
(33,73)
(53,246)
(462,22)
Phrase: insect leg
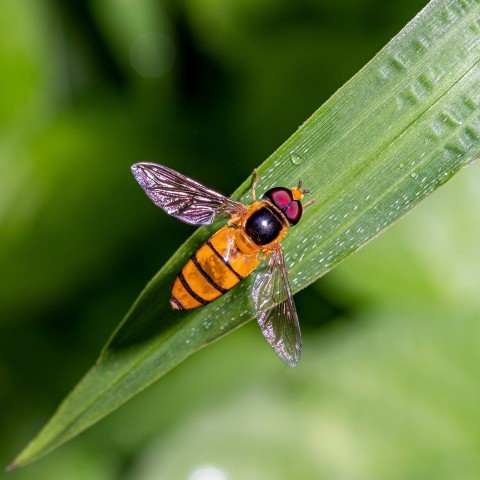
(255,183)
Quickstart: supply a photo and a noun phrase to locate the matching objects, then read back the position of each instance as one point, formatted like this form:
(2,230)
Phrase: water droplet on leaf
(295,158)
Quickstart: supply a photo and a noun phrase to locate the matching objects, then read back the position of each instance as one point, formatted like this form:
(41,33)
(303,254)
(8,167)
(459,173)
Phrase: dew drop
(295,158)
(413,175)
(401,165)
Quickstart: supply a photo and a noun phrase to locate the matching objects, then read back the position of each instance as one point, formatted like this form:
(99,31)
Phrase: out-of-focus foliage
(387,387)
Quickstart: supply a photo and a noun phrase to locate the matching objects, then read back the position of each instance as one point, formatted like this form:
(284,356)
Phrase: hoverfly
(252,234)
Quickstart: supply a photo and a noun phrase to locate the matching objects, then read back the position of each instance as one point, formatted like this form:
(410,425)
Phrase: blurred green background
(388,385)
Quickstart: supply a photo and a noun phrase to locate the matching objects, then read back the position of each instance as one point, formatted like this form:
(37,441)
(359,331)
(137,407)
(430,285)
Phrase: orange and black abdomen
(216,267)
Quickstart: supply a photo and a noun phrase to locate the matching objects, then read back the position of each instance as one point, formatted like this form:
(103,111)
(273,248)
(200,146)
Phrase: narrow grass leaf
(407,122)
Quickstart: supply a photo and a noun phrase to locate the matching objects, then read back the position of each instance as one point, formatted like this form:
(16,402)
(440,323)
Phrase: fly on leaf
(251,236)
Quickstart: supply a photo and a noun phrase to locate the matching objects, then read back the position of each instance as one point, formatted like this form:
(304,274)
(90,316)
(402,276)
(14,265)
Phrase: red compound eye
(282,198)
(294,212)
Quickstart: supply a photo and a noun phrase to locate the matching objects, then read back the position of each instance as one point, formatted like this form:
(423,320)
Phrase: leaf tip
(11,467)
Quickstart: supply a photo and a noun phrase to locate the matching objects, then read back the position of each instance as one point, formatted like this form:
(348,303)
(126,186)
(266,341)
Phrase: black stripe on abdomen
(187,287)
(240,277)
(206,276)
(177,302)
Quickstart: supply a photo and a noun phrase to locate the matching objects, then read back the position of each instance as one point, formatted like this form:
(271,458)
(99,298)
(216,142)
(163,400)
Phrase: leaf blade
(400,128)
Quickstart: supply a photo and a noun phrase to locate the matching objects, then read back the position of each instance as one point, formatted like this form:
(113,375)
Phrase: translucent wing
(276,311)
(181,196)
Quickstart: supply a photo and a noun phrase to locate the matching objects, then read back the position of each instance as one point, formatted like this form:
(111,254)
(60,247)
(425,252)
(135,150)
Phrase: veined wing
(275,309)
(181,196)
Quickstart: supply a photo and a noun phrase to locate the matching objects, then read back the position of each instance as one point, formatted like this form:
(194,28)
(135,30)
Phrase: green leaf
(399,129)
